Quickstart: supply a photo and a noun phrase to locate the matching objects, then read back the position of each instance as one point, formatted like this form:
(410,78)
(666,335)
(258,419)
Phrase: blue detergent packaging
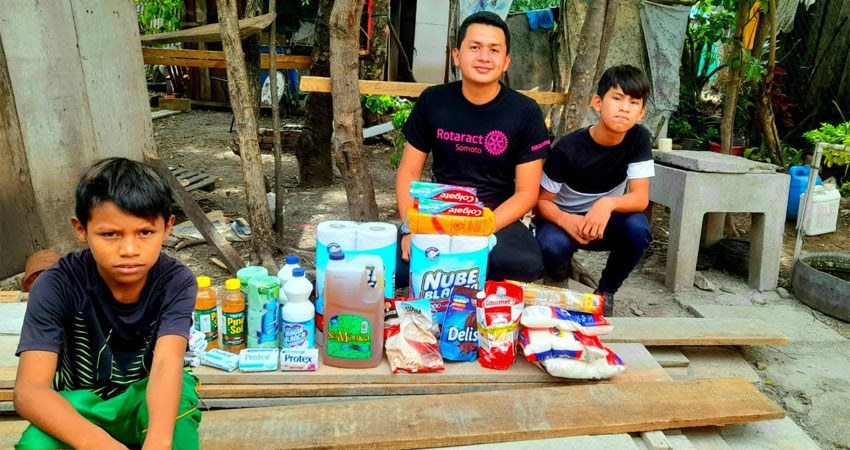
(459,336)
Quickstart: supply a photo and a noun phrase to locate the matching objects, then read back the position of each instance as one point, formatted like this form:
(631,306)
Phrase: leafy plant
(158,16)
(531,5)
(845,189)
(400,109)
(832,134)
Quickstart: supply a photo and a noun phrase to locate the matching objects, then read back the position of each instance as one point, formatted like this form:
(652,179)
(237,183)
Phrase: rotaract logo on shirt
(495,142)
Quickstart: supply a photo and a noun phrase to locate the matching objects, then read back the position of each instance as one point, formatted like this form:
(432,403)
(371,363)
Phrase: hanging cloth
(664,31)
(749,35)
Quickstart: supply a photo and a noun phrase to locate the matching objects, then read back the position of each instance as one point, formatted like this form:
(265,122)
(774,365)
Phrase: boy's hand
(405,247)
(571,223)
(594,222)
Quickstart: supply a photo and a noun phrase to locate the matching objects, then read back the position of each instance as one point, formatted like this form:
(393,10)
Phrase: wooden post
(348,128)
(278,164)
(241,100)
(204,87)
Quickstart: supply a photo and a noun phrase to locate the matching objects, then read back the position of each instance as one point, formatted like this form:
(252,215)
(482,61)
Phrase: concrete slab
(8,345)
(706,438)
(782,434)
(668,357)
(796,324)
(711,162)
(12,318)
(603,442)
(681,442)
(716,362)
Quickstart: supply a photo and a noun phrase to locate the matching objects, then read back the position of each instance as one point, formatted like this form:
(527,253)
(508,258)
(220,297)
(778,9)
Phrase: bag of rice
(410,345)
(540,344)
(596,369)
(541,316)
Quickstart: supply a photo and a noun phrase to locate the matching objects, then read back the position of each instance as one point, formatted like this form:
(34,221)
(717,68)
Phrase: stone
(701,282)
(727,289)
(698,161)
(636,310)
(759,298)
(761,365)
(783,292)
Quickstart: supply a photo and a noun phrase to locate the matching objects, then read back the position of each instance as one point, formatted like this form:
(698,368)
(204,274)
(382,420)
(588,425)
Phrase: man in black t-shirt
(582,201)
(102,344)
(485,135)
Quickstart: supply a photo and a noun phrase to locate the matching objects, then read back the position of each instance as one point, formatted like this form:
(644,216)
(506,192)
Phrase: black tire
(819,289)
(733,256)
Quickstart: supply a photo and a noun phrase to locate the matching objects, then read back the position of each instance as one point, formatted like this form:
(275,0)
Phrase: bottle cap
(291,259)
(232,284)
(204,282)
(337,256)
(298,272)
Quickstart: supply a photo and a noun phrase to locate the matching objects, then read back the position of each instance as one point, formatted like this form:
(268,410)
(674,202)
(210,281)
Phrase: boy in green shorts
(102,344)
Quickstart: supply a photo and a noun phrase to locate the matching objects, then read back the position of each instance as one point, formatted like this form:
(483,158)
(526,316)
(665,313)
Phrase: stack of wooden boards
(466,404)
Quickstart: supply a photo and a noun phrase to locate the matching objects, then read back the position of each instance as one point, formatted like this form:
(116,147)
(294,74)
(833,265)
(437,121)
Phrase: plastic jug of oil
(354,312)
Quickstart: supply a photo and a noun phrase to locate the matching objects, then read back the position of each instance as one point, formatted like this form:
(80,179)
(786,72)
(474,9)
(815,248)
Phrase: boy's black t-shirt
(581,171)
(104,345)
(477,145)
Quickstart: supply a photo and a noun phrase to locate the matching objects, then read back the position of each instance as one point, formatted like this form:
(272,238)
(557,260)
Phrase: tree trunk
(583,71)
(348,129)
(251,47)
(262,238)
(278,162)
(607,35)
(733,80)
(313,153)
(763,89)
(375,64)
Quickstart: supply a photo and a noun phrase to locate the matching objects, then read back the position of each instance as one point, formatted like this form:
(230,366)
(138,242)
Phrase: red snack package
(498,325)
(410,345)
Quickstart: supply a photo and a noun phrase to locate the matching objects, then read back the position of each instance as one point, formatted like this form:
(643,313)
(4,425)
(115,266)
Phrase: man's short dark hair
(134,187)
(631,80)
(484,18)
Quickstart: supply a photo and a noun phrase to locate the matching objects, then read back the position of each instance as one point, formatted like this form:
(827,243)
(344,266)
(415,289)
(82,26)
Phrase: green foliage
(530,5)
(158,16)
(400,109)
(832,134)
(791,155)
(845,189)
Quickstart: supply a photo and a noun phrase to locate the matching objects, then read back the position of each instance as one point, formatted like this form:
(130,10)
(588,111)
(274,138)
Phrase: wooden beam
(487,417)
(681,331)
(196,215)
(323,84)
(211,32)
(214,59)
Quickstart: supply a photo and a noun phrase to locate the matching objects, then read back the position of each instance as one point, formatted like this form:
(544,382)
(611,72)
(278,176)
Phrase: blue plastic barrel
(799,181)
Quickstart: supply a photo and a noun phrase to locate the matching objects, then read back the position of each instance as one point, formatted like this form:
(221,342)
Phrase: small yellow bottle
(233,309)
(206,316)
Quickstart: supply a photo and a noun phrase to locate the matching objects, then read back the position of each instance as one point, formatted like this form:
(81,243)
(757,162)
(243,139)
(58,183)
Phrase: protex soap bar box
(220,359)
(444,192)
(450,208)
(299,359)
(258,359)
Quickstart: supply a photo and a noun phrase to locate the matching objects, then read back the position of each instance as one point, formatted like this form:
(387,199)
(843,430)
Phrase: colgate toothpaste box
(422,190)
(451,208)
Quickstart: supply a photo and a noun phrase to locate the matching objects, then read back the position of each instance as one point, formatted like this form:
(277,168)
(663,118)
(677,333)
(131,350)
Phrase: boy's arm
(594,222)
(548,210)
(525,194)
(36,401)
(410,169)
(164,390)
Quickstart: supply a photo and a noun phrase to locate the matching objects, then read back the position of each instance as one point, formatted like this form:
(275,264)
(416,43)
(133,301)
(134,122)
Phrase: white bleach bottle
(298,313)
(285,274)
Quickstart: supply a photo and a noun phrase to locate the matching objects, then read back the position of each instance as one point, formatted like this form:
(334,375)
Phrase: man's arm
(36,401)
(409,170)
(525,194)
(164,390)
(593,225)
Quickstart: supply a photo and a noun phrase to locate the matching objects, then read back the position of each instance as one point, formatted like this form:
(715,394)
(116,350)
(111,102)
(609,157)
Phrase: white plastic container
(822,217)
(298,313)
(285,274)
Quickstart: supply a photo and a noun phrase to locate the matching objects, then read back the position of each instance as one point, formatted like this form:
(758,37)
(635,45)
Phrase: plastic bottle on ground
(298,313)
(206,316)
(233,310)
(285,274)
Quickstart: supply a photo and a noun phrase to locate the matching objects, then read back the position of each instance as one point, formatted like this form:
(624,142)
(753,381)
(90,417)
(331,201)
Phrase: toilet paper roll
(466,244)
(336,235)
(424,242)
(373,235)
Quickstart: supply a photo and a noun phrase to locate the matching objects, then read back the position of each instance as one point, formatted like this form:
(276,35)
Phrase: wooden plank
(323,84)
(683,331)
(215,59)
(163,113)
(209,33)
(668,357)
(713,362)
(640,365)
(656,440)
(207,184)
(177,104)
(196,215)
(486,417)
(10,296)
